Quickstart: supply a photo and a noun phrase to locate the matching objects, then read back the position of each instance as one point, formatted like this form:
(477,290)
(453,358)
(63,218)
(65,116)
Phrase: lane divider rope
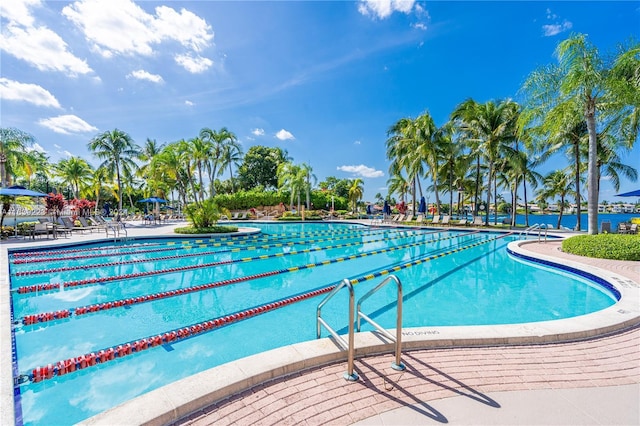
(82,310)
(185,244)
(180,256)
(102,356)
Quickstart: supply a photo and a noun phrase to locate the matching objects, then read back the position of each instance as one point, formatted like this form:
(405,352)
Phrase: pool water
(72,302)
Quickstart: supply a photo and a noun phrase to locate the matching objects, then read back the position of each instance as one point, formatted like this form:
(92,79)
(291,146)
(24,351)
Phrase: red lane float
(102,356)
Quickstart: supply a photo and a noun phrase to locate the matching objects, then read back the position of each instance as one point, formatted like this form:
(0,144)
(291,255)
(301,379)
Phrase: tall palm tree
(356,191)
(291,178)
(231,156)
(75,172)
(582,82)
(557,184)
(117,150)
(200,153)
(217,139)
(13,153)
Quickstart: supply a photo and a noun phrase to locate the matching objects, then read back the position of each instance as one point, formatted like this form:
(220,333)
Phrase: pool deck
(585,374)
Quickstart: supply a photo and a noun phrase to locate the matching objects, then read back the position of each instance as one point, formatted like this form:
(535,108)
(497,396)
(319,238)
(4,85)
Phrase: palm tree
(74,172)
(291,178)
(13,153)
(557,183)
(117,150)
(231,155)
(355,193)
(200,153)
(581,82)
(217,141)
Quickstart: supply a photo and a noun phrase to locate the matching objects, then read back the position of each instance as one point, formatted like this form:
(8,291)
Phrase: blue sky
(323,80)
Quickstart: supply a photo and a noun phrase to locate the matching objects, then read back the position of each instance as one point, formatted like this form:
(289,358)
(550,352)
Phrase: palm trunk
(526,206)
(486,221)
(561,210)
(592,195)
(577,160)
(476,199)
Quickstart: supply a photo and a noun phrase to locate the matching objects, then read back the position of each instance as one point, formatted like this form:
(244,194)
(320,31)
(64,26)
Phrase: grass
(604,246)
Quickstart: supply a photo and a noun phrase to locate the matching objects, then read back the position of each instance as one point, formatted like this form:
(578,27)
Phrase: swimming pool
(109,295)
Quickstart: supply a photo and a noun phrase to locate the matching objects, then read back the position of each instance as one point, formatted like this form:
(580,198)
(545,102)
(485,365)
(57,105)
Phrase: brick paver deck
(317,396)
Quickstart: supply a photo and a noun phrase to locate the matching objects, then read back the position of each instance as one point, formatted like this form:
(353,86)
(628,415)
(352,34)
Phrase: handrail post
(350,375)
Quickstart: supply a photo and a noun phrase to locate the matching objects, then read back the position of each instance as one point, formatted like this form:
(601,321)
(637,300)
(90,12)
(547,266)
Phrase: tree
(556,184)
(75,172)
(291,178)
(356,191)
(231,156)
(260,167)
(581,81)
(117,150)
(13,149)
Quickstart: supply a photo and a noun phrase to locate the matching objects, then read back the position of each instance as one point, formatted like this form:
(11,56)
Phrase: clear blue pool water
(449,278)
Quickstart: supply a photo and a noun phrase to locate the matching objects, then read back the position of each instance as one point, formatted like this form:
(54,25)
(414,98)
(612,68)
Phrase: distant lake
(569,220)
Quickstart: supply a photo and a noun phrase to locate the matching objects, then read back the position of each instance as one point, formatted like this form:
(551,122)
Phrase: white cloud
(194,65)
(121,27)
(67,153)
(19,11)
(189,103)
(67,124)
(144,75)
(357,143)
(284,135)
(41,48)
(382,9)
(553,29)
(420,26)
(362,170)
(258,132)
(36,147)
(32,93)
(556,27)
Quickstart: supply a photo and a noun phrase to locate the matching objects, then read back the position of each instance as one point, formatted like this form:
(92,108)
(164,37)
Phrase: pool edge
(177,400)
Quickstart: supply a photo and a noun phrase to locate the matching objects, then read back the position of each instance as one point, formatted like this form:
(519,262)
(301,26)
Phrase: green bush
(604,246)
(219,229)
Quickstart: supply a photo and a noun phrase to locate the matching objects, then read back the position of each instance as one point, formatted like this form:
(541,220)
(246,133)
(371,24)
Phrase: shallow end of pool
(179,399)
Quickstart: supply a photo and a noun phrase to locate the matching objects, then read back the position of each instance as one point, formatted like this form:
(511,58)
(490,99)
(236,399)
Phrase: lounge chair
(462,222)
(420,219)
(435,220)
(445,220)
(69,225)
(477,221)
(90,226)
(400,218)
(633,229)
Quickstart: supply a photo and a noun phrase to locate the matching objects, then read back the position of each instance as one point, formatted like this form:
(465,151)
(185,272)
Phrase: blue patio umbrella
(635,193)
(19,191)
(153,200)
(156,200)
(422,208)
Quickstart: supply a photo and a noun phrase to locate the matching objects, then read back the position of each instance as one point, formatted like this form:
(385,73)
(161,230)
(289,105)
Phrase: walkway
(595,381)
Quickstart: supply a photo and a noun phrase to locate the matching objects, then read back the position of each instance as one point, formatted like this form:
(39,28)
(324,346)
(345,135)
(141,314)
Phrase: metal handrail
(398,365)
(539,227)
(350,374)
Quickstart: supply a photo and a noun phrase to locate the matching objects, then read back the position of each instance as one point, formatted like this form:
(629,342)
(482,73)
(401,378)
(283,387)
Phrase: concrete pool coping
(179,399)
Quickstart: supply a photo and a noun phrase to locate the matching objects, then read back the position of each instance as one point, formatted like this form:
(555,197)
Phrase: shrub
(203,215)
(218,229)
(604,246)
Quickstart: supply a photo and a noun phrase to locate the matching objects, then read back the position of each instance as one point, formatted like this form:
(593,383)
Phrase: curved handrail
(350,374)
(398,338)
